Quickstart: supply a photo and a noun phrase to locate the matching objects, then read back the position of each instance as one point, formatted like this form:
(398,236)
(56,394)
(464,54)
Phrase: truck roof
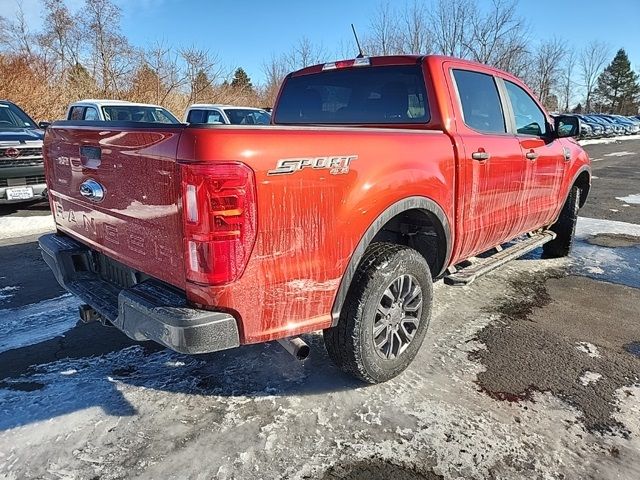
(390,60)
(220,105)
(101,102)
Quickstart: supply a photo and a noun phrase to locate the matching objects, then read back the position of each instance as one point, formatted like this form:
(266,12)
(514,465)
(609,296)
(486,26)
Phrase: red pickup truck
(377,176)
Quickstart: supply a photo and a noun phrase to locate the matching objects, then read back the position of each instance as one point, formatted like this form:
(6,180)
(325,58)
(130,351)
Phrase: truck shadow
(95,366)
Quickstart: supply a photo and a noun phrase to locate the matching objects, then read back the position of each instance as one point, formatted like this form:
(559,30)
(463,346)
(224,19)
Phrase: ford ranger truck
(376,177)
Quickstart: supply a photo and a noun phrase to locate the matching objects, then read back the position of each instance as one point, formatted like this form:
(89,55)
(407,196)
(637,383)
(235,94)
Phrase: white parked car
(226,115)
(119,110)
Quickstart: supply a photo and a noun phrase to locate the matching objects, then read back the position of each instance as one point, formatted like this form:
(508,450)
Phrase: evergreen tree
(241,80)
(201,87)
(618,90)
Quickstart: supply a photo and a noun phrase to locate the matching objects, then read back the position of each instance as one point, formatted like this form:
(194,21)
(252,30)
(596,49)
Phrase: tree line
(86,54)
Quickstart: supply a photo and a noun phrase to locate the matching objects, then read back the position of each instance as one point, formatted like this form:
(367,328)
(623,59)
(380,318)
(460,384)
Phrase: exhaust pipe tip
(296,347)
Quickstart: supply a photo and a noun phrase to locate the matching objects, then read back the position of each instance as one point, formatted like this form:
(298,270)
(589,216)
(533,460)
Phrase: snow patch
(604,141)
(590,377)
(15,227)
(588,348)
(634,199)
(5,292)
(37,322)
(619,154)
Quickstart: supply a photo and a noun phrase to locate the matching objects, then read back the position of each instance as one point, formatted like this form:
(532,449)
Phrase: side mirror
(44,125)
(566,126)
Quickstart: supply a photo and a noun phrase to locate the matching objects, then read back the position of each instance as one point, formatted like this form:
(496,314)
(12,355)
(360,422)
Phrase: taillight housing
(220,220)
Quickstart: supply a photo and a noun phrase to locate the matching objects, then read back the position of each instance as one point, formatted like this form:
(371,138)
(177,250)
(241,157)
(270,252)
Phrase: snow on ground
(619,154)
(37,322)
(615,265)
(14,227)
(601,141)
(255,413)
(635,199)
(6,292)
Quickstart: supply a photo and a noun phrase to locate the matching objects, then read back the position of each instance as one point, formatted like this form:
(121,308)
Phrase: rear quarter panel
(310,222)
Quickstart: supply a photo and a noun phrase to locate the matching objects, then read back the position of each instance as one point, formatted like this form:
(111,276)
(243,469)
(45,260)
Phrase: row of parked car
(600,125)
(21,164)
(117,110)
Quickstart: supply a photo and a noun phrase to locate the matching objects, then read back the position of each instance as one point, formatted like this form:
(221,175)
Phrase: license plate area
(19,193)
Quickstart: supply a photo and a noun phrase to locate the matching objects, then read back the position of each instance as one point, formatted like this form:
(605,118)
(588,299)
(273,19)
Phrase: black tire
(564,228)
(384,268)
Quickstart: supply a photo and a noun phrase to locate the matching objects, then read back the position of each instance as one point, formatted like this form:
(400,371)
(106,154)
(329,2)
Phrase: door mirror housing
(44,125)
(566,126)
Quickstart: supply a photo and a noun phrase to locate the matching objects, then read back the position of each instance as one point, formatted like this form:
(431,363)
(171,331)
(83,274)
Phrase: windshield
(359,95)
(134,113)
(247,116)
(13,117)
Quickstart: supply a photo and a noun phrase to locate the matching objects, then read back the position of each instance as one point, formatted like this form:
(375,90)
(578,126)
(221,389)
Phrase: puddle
(376,469)
(613,240)
(633,348)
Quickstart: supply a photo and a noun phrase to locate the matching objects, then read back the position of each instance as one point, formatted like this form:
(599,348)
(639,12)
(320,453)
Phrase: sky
(247,32)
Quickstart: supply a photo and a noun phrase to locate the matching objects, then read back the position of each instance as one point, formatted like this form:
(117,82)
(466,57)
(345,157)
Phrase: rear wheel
(564,228)
(385,316)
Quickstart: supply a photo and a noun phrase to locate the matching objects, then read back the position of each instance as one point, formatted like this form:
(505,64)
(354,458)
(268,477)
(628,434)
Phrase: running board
(480,266)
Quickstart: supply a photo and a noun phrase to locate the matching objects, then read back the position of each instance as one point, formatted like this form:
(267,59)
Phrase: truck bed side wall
(310,221)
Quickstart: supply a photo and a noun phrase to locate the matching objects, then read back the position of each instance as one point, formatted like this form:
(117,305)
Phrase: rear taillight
(219,212)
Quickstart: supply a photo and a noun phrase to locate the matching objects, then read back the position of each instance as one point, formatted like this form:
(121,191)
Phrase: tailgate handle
(90,156)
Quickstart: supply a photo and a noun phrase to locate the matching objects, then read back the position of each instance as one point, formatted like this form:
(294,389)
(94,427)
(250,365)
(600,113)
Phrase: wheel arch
(582,180)
(424,205)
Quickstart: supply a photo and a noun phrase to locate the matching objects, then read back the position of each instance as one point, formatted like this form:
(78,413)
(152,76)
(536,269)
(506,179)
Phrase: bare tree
(61,35)
(163,62)
(202,69)
(547,61)
(498,36)
(449,21)
(415,37)
(385,36)
(567,78)
(15,34)
(305,53)
(275,69)
(112,57)
(591,62)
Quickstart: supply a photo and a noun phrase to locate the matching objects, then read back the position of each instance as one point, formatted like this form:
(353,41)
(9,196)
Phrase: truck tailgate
(138,221)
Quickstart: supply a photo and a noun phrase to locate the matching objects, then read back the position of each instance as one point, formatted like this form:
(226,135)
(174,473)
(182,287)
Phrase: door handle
(531,155)
(480,155)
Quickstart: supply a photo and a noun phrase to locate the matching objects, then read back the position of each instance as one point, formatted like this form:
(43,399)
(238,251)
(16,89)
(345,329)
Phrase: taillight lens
(219,212)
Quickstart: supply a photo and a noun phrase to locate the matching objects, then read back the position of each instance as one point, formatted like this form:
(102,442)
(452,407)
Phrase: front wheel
(385,316)
(564,228)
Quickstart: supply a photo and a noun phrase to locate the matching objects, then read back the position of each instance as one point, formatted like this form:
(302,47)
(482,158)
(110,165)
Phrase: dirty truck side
(377,176)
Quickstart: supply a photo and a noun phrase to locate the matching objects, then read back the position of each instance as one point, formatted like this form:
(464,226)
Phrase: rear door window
(480,101)
(357,95)
(530,119)
(205,116)
(76,113)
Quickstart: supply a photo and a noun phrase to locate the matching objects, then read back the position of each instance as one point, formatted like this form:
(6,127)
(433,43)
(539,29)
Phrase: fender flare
(581,170)
(409,203)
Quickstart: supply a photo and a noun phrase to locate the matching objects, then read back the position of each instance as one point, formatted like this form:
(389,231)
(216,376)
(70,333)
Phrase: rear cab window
(355,96)
(480,101)
(198,115)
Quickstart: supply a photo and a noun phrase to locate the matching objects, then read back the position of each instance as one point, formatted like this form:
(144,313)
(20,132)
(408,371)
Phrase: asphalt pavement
(531,372)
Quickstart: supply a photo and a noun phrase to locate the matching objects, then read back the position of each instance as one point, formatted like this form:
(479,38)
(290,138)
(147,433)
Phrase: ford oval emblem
(92,190)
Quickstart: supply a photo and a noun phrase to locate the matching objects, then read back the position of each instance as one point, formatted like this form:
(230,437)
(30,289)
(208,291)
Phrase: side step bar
(480,266)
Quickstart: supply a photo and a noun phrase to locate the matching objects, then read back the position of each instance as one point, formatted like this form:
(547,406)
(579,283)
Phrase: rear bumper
(149,310)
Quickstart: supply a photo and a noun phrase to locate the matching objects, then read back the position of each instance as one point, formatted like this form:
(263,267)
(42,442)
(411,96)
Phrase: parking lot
(530,372)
